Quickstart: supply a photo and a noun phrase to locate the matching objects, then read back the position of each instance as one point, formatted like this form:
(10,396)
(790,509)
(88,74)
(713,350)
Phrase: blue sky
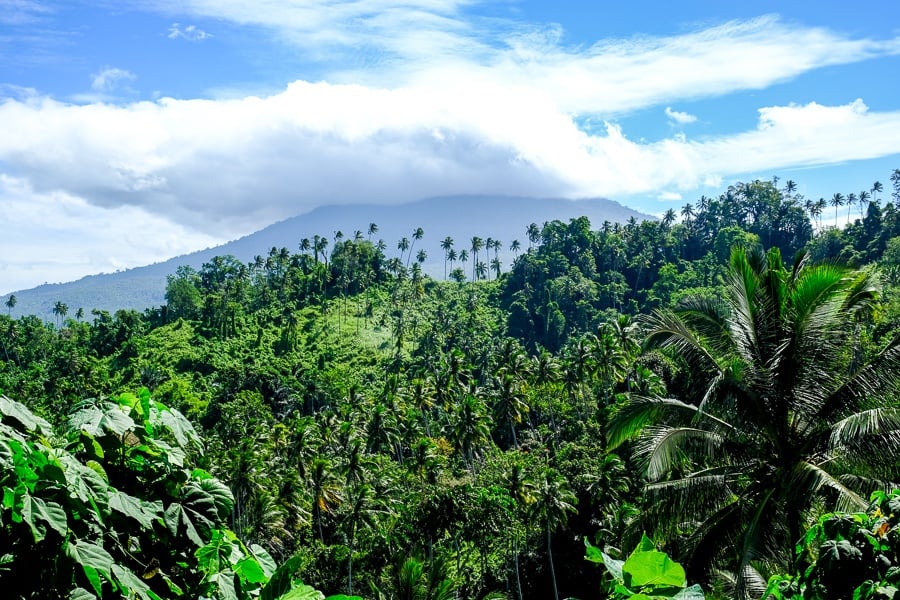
(137,130)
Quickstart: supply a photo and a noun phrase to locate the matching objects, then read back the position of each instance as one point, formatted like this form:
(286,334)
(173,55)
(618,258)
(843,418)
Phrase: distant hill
(460,217)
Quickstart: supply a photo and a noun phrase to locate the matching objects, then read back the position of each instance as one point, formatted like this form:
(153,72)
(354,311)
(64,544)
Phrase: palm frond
(668,330)
(640,411)
(692,497)
(808,479)
(664,447)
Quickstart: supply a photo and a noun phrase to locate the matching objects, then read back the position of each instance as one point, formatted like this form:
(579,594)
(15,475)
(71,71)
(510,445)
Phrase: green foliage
(647,574)
(847,555)
(69,530)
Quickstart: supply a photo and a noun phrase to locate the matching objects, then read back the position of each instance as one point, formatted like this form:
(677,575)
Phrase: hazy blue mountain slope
(503,218)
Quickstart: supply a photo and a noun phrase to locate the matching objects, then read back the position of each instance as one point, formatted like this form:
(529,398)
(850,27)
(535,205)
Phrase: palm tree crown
(785,413)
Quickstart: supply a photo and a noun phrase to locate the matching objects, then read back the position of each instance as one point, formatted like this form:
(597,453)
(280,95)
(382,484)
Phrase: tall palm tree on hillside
(446,246)
(417,235)
(783,414)
(836,201)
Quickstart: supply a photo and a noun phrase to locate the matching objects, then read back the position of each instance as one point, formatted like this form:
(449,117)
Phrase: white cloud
(433,43)
(108,79)
(680,118)
(228,167)
(54,237)
(669,196)
(192,33)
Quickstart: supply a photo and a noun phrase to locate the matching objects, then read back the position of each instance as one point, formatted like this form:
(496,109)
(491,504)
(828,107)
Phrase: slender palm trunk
(516,558)
(552,570)
(350,567)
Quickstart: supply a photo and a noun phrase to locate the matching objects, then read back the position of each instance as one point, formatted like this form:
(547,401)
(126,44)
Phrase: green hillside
(719,390)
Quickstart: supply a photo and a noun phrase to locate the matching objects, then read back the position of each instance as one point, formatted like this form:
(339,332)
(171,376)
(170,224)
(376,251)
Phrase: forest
(704,405)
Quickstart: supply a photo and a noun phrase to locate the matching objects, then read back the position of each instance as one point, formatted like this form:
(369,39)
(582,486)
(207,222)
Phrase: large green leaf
(250,570)
(38,515)
(116,422)
(131,582)
(225,585)
(652,569)
(178,425)
(264,559)
(141,511)
(303,592)
(94,561)
(80,593)
(10,409)
(281,580)
(176,516)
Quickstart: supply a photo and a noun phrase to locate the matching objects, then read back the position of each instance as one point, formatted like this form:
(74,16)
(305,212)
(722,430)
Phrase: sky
(132,131)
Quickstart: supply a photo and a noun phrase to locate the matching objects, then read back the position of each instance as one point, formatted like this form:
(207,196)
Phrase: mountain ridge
(460,217)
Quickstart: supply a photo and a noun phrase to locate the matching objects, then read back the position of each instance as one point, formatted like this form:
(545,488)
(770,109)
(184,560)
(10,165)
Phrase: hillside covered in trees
(723,382)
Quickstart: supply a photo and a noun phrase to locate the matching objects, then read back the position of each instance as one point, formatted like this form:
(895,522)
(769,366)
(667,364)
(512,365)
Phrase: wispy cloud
(108,79)
(680,118)
(192,33)
(22,12)
(435,43)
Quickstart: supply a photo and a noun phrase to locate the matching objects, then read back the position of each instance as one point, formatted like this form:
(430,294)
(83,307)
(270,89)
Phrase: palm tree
(403,246)
(514,247)
(509,400)
(480,270)
(60,309)
(496,267)
(10,304)
(363,509)
(877,188)
(553,502)
(471,428)
(521,489)
(373,229)
(784,414)
(477,245)
(446,246)
(325,491)
(417,235)
(864,197)
(851,200)
(836,201)
(534,235)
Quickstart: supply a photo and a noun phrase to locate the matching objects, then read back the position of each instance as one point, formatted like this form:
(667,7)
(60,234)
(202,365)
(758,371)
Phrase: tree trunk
(516,558)
(552,570)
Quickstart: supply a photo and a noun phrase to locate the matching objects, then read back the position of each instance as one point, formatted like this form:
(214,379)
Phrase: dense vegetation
(384,434)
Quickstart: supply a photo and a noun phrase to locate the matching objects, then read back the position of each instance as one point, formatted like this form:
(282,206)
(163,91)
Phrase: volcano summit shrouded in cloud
(135,132)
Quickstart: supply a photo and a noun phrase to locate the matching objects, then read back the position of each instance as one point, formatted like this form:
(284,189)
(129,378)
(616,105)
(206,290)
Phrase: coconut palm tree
(864,197)
(553,501)
(877,188)
(325,491)
(417,235)
(836,201)
(11,304)
(784,414)
(446,246)
(477,245)
(60,309)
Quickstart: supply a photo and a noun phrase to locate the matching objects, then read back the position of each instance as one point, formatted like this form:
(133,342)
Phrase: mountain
(460,217)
